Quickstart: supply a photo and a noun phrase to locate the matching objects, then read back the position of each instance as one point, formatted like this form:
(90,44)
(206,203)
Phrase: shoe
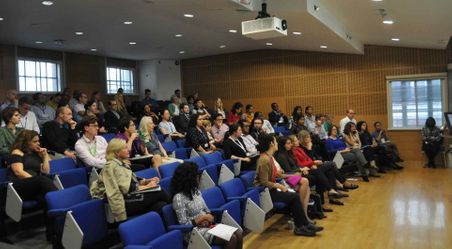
(342,189)
(327,210)
(365,178)
(314,228)
(336,202)
(304,231)
(352,186)
(312,222)
(374,175)
(380,170)
(400,160)
(337,195)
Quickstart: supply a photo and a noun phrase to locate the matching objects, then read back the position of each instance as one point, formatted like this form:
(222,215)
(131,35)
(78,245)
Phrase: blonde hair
(114,146)
(292,138)
(206,123)
(144,124)
(302,135)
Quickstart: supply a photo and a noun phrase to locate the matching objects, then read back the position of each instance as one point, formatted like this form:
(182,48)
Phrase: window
(412,100)
(39,76)
(120,78)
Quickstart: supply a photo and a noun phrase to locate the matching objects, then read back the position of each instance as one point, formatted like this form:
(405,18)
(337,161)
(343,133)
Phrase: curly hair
(185,179)
(23,139)
(348,127)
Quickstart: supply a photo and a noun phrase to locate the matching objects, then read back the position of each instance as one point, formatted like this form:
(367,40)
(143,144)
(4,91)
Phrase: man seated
(79,108)
(91,148)
(382,139)
(276,117)
(27,118)
(350,117)
(317,128)
(43,112)
(60,135)
(112,117)
(309,118)
(183,120)
(219,129)
(11,99)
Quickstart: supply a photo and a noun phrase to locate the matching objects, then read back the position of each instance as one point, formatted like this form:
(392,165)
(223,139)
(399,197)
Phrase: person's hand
(70,154)
(314,167)
(42,152)
(309,145)
(102,130)
(305,171)
(72,124)
(246,159)
(282,187)
(126,161)
(133,136)
(210,218)
(318,162)
(213,147)
(155,179)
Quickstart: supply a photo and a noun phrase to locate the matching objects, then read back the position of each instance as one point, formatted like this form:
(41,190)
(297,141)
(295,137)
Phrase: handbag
(293,180)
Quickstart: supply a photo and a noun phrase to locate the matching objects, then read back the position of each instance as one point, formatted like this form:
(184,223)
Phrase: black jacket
(111,122)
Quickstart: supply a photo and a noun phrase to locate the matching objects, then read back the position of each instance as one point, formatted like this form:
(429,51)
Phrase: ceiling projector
(264,26)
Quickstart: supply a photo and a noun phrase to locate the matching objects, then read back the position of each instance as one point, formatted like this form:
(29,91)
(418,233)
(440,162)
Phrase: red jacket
(303,160)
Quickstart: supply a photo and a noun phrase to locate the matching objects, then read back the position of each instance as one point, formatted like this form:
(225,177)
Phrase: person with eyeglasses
(91,148)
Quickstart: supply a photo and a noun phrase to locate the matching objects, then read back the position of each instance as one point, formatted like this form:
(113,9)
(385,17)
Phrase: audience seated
(28,118)
(350,117)
(367,145)
(167,127)
(173,107)
(79,107)
(91,110)
(183,120)
(297,112)
(197,137)
(9,132)
(298,125)
(248,116)
(147,112)
(54,101)
(219,109)
(317,128)
(96,96)
(191,209)
(219,129)
(74,98)
(257,129)
(148,100)
(28,170)
(431,141)
(309,118)
(125,192)
(327,122)
(180,99)
(200,109)
(91,148)
(266,125)
(382,139)
(128,133)
(11,99)
(235,115)
(112,117)
(120,100)
(234,148)
(266,174)
(43,112)
(208,128)
(60,135)
(250,143)
(276,117)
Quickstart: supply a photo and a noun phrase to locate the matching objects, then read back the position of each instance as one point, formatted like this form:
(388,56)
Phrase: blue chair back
(183,153)
(161,138)
(147,173)
(169,146)
(91,218)
(67,197)
(213,158)
(199,161)
(3,172)
(214,199)
(181,143)
(142,229)
(167,170)
(212,171)
(169,215)
(73,177)
(248,179)
(233,188)
(166,184)
(108,136)
(60,165)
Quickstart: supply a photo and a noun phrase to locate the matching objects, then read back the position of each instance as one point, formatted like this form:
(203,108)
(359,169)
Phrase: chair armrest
(57,212)
(239,198)
(182,228)
(167,240)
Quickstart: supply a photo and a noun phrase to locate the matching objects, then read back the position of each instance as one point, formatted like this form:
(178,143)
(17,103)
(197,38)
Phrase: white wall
(161,76)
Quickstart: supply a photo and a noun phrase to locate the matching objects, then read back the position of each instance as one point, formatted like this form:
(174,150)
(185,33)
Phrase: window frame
(414,77)
(60,70)
(134,83)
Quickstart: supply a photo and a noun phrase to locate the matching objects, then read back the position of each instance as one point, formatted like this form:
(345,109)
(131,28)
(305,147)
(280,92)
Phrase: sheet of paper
(222,231)
(339,160)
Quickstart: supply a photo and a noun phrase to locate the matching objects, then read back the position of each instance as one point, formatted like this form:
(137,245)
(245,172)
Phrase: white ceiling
(418,23)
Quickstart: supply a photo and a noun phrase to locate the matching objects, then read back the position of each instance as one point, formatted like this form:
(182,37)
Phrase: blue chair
(167,170)
(198,160)
(60,165)
(170,218)
(213,158)
(169,147)
(183,153)
(215,201)
(148,230)
(181,143)
(108,136)
(211,169)
(166,184)
(161,138)
(235,190)
(73,177)
(147,173)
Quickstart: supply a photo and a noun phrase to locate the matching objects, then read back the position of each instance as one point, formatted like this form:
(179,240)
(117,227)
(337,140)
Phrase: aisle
(411,209)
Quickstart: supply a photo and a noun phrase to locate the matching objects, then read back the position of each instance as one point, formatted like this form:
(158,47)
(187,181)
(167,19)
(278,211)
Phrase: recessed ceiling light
(38,42)
(79,33)
(388,22)
(269,44)
(47,3)
(395,39)
(232,31)
(178,35)
(297,33)
(189,15)
(132,43)
(128,22)
(323,46)
(377,0)
(181,52)
(222,46)
(1,19)
(94,49)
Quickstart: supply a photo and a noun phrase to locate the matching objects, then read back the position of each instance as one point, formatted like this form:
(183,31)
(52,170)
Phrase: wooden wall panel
(331,83)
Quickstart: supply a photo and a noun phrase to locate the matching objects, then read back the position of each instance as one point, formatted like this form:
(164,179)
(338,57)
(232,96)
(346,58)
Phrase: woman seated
(197,137)
(200,109)
(296,113)
(128,133)
(208,128)
(191,208)
(382,139)
(431,141)
(249,113)
(235,115)
(127,194)
(250,143)
(323,173)
(298,125)
(167,127)
(266,125)
(285,162)
(351,156)
(218,109)
(266,174)
(351,137)
(234,148)
(91,110)
(147,112)
(9,132)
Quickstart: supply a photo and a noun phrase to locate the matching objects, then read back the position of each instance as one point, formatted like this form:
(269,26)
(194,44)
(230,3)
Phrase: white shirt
(44,113)
(343,122)
(92,153)
(250,144)
(168,126)
(29,122)
(267,127)
(309,121)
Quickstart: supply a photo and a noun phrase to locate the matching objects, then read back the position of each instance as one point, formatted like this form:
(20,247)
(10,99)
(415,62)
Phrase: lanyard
(237,142)
(92,149)
(26,120)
